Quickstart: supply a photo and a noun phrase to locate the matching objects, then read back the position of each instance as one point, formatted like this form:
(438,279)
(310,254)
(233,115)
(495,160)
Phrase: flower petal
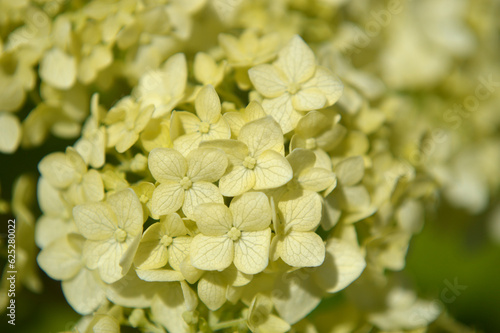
(211,253)
(167,198)
(272,170)
(251,251)
(167,164)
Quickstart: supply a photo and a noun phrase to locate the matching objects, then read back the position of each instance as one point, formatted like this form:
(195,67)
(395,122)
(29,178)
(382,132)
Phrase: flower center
(311,143)
(234,234)
(249,162)
(293,88)
(204,128)
(166,240)
(186,183)
(144,198)
(120,235)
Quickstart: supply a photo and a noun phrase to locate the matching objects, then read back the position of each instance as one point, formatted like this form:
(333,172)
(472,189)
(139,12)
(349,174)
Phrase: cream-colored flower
(164,88)
(207,71)
(239,234)
(295,241)
(164,241)
(249,50)
(256,159)
(260,318)
(294,83)
(67,171)
(237,119)
(185,182)
(126,120)
(112,229)
(188,130)
(62,260)
(319,132)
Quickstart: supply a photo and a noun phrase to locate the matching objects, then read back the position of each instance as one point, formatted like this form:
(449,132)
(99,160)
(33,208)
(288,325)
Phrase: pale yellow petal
(251,211)
(211,252)
(207,105)
(212,290)
(302,249)
(296,60)
(10,129)
(213,219)
(300,212)
(167,164)
(237,181)
(261,135)
(251,251)
(266,79)
(272,170)
(206,164)
(200,193)
(167,198)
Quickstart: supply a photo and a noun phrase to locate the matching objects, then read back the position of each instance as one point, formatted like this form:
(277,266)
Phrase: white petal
(212,290)
(167,198)
(266,79)
(85,292)
(302,249)
(272,170)
(212,252)
(251,211)
(10,129)
(206,164)
(343,264)
(167,164)
(261,135)
(296,60)
(200,193)
(251,251)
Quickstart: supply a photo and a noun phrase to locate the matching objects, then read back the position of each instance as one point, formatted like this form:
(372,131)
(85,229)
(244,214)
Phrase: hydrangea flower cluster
(235,163)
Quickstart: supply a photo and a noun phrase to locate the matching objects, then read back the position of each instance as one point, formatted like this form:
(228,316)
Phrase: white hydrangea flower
(188,130)
(239,234)
(164,241)
(295,241)
(62,260)
(164,88)
(294,83)
(110,229)
(185,182)
(256,159)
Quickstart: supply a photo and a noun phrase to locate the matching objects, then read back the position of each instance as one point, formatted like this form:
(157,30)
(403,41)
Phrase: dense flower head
(236,162)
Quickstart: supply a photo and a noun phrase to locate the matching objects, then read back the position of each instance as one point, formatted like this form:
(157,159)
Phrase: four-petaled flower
(295,241)
(256,158)
(294,83)
(187,130)
(110,228)
(240,233)
(185,182)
